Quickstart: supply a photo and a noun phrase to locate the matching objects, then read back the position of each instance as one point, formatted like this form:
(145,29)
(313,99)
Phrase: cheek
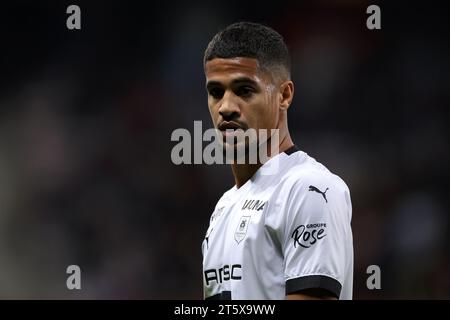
(269,112)
(210,106)
(260,116)
(213,111)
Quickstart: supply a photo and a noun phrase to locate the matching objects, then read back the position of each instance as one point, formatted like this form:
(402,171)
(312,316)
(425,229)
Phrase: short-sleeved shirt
(281,232)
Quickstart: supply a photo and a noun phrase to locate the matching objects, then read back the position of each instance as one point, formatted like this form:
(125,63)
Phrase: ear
(286,94)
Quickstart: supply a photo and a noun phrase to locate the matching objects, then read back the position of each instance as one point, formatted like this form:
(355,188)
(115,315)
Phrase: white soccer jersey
(281,233)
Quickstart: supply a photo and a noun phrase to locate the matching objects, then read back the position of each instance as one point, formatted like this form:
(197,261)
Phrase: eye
(216,93)
(244,91)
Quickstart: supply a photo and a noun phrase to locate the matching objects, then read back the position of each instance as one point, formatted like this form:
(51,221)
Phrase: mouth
(230,128)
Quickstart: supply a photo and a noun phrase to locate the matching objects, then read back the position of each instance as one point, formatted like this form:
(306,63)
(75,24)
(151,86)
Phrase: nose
(229,108)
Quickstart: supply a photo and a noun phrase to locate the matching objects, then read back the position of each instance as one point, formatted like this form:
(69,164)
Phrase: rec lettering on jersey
(225,273)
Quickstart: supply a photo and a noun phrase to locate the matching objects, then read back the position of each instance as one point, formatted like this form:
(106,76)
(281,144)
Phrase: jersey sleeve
(317,244)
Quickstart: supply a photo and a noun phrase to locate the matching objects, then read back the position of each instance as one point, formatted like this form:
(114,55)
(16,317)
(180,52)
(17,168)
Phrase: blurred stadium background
(86,118)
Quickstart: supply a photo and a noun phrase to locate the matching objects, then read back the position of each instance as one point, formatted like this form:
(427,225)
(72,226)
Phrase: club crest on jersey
(241,229)
(251,204)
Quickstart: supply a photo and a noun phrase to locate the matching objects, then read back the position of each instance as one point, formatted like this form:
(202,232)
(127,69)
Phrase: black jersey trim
(314,282)
(291,150)
(224,295)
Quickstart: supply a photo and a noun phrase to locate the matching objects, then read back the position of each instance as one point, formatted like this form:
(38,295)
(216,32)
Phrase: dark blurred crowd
(86,118)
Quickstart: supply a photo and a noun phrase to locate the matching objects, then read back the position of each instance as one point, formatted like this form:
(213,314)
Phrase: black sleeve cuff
(314,282)
(224,295)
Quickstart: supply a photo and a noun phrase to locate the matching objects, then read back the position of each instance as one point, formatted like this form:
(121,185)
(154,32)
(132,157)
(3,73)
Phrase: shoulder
(308,193)
(309,175)
(227,195)
(309,189)
(222,202)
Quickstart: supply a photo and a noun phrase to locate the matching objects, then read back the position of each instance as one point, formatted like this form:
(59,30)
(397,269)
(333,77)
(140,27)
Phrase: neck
(243,172)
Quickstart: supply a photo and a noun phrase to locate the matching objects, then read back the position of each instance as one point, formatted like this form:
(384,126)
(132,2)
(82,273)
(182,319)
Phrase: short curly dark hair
(250,40)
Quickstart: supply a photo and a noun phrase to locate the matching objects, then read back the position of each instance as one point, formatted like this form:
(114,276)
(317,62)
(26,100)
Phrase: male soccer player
(271,236)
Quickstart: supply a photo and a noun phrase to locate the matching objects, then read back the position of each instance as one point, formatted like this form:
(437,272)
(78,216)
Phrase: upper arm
(317,240)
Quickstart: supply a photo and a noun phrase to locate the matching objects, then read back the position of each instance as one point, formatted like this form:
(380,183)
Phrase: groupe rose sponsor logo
(228,146)
(307,235)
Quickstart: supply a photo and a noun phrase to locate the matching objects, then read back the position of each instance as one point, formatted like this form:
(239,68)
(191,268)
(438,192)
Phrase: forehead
(220,69)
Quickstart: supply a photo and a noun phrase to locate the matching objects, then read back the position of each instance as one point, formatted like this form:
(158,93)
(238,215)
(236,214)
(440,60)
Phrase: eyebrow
(237,81)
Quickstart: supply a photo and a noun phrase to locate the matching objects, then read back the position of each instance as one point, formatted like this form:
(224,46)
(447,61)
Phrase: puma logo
(312,188)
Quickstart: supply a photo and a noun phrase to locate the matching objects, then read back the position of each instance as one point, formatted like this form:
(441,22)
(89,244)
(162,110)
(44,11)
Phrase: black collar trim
(291,150)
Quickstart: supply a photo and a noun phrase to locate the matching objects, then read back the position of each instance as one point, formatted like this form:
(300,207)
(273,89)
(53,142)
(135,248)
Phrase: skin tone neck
(243,172)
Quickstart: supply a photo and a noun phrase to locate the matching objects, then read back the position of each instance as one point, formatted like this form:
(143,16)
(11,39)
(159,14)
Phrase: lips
(228,128)
(229,125)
